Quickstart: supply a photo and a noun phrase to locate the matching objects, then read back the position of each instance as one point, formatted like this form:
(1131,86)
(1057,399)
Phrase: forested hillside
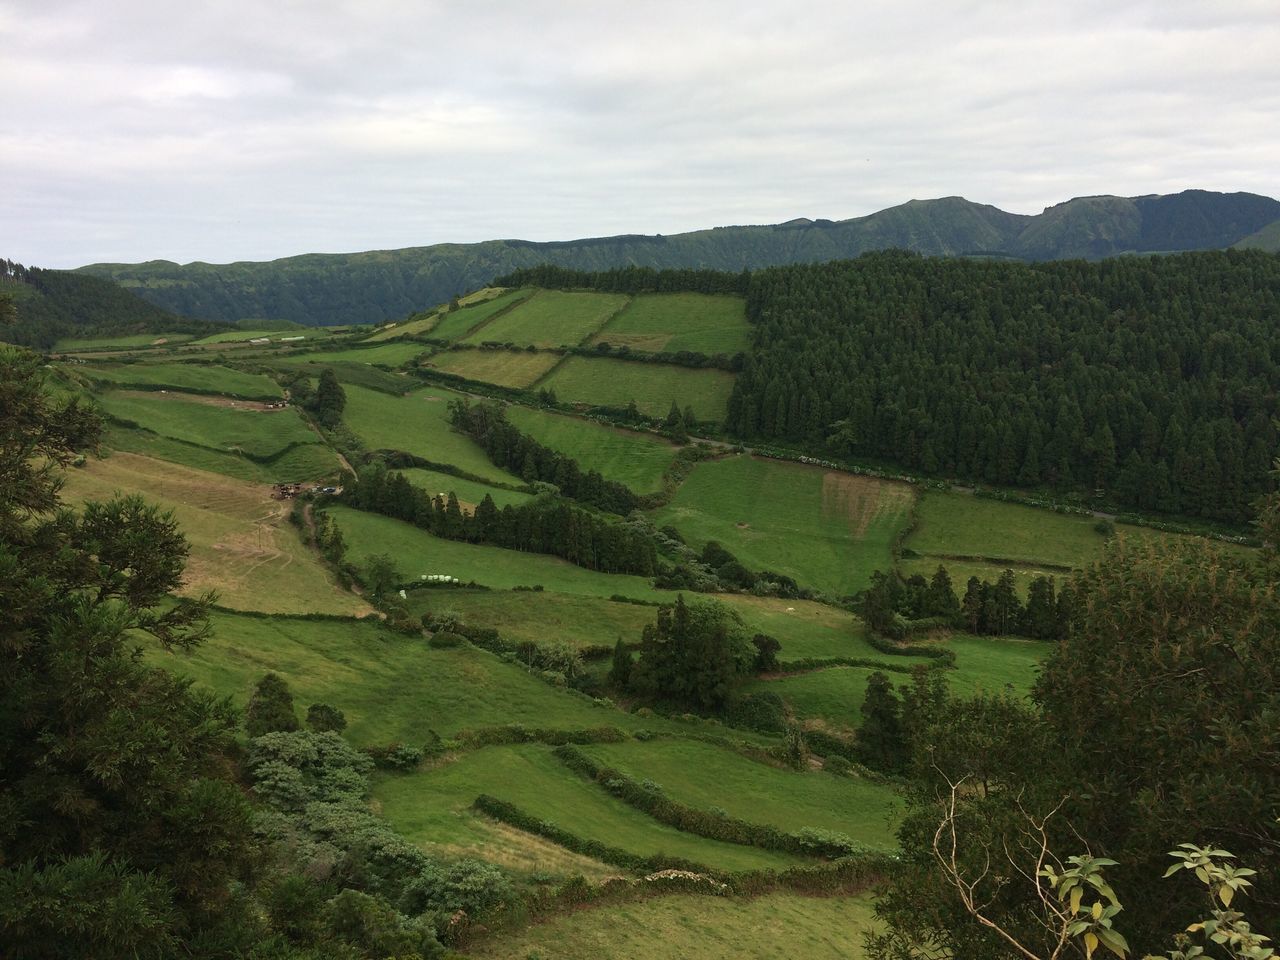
(383,285)
(49,305)
(1154,378)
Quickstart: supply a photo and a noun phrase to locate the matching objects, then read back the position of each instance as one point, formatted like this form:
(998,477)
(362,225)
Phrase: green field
(833,695)
(242,544)
(469,492)
(961,570)
(391,687)
(615,383)
(417,552)
(708,928)
(994,664)
(670,322)
(121,343)
(825,529)
(542,616)
(197,377)
(389,355)
(507,368)
(429,807)
(256,433)
(458,323)
(957,524)
(706,776)
(806,629)
(637,459)
(551,318)
(419,424)
(309,461)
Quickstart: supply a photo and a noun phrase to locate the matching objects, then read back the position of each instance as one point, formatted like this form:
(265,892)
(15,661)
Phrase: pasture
(601,382)
(706,776)
(458,323)
(550,318)
(671,322)
(638,460)
(804,628)
(709,928)
(417,423)
(506,368)
(389,355)
(827,530)
(832,696)
(136,340)
(194,377)
(417,552)
(417,327)
(242,544)
(995,664)
(541,616)
(307,461)
(427,807)
(470,492)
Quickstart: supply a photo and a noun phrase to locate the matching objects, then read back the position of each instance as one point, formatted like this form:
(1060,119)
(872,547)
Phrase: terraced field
(671,322)
(417,423)
(637,459)
(458,323)
(550,318)
(506,368)
(653,386)
(242,545)
(194,377)
(120,343)
(469,492)
(827,530)
(389,355)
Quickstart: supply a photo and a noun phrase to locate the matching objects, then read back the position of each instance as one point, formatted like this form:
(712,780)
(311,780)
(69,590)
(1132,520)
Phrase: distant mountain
(49,305)
(388,284)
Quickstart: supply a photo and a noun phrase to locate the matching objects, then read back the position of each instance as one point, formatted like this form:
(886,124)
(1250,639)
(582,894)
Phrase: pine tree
(270,709)
(881,744)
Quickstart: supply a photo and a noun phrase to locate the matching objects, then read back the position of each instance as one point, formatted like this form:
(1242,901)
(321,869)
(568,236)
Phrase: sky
(136,130)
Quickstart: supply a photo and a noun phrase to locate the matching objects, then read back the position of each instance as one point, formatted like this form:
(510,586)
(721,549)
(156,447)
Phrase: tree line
(543,525)
(507,447)
(627,280)
(1152,380)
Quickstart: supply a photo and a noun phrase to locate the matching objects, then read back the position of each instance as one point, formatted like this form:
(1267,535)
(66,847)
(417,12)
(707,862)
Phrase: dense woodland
(1152,379)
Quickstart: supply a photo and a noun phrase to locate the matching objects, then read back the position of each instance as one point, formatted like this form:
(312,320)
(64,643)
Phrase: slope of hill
(52,304)
(383,285)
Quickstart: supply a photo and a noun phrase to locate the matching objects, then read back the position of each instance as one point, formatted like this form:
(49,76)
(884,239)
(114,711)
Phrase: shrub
(762,712)
(270,708)
(322,717)
(395,756)
(445,640)
(374,927)
(837,765)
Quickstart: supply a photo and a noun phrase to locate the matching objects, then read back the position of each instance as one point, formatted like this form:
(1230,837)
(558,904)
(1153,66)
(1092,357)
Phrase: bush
(762,712)
(321,717)
(371,925)
(837,765)
(444,640)
(395,756)
(270,709)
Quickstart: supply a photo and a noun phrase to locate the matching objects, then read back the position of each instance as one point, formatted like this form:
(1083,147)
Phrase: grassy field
(806,629)
(408,328)
(707,776)
(257,433)
(419,424)
(383,355)
(308,461)
(459,323)
(507,368)
(391,687)
(833,696)
(827,530)
(995,664)
(709,928)
(551,318)
(957,524)
(430,807)
(615,383)
(121,343)
(417,552)
(961,570)
(199,377)
(671,322)
(544,617)
(242,545)
(469,492)
(637,459)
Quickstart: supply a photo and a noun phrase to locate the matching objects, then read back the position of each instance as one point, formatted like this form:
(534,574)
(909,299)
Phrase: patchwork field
(214,434)
(637,459)
(419,424)
(506,368)
(417,552)
(671,322)
(121,343)
(388,355)
(709,928)
(826,530)
(615,383)
(195,377)
(550,318)
(469,492)
(426,807)
(242,545)
(832,696)
(707,776)
(458,323)
(542,616)
(804,628)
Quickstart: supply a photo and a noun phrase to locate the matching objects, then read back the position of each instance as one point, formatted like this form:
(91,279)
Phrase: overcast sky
(229,130)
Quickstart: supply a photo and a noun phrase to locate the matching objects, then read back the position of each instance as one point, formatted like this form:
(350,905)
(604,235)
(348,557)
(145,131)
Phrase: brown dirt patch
(862,500)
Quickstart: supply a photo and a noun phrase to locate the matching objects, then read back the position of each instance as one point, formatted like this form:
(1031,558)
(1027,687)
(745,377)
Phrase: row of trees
(510,449)
(627,280)
(890,605)
(543,525)
(1151,378)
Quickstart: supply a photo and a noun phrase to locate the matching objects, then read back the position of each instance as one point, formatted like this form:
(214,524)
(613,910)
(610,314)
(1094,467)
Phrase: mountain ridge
(379,285)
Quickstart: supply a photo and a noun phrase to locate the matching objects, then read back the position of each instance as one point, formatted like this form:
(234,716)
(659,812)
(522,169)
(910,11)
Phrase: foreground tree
(120,834)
